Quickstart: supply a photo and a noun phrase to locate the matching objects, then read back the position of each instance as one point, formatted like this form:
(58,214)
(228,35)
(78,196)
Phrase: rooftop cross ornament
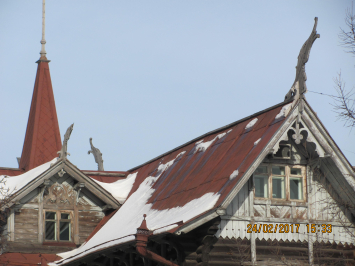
(98,156)
(299,85)
(63,152)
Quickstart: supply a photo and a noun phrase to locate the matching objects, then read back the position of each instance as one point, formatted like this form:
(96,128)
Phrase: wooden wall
(321,207)
(26,222)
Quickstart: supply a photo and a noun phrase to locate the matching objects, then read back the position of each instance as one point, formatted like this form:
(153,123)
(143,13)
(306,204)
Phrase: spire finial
(43,41)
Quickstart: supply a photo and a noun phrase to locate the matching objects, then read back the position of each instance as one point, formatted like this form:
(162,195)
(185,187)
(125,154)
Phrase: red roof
(23,259)
(195,174)
(198,173)
(42,140)
(106,176)
(10,171)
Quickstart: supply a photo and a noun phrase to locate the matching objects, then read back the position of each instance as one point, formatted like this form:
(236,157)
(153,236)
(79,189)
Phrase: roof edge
(321,126)
(212,132)
(275,138)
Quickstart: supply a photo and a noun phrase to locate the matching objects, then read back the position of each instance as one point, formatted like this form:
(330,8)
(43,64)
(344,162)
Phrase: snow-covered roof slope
(120,188)
(129,216)
(184,183)
(15,183)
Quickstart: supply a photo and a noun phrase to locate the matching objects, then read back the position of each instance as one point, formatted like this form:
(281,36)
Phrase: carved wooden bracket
(298,137)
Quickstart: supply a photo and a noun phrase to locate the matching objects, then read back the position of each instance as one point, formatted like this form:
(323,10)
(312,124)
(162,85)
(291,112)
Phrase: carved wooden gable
(60,195)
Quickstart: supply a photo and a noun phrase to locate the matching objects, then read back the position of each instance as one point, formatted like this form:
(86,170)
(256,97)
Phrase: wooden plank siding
(60,197)
(325,208)
(26,226)
(88,220)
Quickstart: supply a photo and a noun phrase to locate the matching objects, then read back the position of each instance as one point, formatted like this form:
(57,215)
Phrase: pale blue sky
(143,77)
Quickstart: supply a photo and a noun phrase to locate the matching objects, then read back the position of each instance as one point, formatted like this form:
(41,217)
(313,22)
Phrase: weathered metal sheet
(200,171)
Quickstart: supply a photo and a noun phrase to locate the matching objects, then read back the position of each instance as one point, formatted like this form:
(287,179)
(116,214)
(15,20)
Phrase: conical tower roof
(42,140)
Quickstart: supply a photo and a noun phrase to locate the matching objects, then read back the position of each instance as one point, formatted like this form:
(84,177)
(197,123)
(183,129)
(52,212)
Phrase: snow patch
(203,146)
(229,131)
(256,142)
(129,217)
(15,183)
(234,174)
(284,111)
(251,123)
(120,188)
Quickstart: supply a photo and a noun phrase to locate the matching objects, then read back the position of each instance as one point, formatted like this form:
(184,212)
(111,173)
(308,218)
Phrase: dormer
(54,207)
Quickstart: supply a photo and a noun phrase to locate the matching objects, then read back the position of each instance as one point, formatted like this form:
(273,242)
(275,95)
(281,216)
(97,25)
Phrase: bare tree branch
(347,38)
(344,105)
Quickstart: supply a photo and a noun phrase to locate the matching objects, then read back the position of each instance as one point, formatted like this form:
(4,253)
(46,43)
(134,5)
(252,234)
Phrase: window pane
(50,215)
(261,170)
(64,231)
(296,190)
(296,171)
(278,187)
(51,230)
(65,216)
(278,170)
(261,186)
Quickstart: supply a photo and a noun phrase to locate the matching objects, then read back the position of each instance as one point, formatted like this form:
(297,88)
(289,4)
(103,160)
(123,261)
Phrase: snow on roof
(234,174)
(284,111)
(129,217)
(120,188)
(256,142)
(183,184)
(15,183)
(251,123)
(203,146)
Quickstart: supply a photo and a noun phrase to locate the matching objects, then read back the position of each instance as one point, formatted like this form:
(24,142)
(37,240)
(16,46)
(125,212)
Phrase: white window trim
(287,180)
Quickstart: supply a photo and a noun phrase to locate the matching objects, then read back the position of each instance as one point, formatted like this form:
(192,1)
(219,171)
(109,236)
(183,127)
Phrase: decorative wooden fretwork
(59,194)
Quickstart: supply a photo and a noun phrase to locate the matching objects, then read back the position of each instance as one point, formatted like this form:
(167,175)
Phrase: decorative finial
(97,155)
(43,41)
(143,229)
(63,152)
(299,86)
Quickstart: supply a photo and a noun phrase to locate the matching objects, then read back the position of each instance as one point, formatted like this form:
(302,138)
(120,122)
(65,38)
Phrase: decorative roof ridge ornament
(63,152)
(299,85)
(98,156)
(43,41)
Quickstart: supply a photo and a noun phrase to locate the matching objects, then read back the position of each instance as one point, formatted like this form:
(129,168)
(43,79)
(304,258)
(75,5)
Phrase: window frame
(287,182)
(57,225)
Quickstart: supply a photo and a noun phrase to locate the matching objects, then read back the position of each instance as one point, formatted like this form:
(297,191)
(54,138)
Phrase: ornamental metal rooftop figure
(63,152)
(299,85)
(98,156)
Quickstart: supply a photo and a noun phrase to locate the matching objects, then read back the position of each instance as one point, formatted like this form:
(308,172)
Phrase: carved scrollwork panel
(59,194)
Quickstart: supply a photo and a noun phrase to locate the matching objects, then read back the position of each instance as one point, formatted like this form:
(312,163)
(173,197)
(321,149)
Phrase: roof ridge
(213,132)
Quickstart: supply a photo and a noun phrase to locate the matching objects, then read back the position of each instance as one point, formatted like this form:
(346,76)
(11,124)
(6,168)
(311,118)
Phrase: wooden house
(270,189)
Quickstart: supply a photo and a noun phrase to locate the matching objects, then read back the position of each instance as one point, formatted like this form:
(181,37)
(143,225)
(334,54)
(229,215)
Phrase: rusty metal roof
(24,259)
(197,173)
(202,166)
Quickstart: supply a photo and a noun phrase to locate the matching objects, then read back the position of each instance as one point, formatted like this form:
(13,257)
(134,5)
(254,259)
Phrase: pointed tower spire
(42,140)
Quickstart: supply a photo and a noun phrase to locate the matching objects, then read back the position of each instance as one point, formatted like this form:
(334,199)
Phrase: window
(57,226)
(280,182)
